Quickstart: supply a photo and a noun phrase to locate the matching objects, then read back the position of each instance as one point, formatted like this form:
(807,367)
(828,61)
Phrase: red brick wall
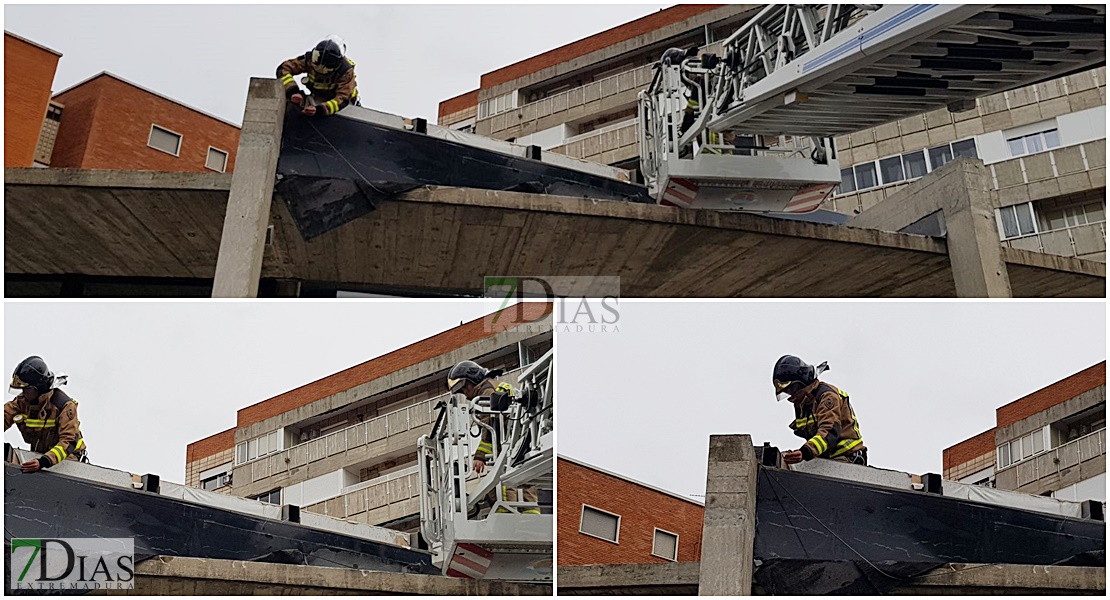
(408,356)
(213,444)
(641,509)
(1061,391)
(596,42)
(458,103)
(28,75)
(106,125)
(969,449)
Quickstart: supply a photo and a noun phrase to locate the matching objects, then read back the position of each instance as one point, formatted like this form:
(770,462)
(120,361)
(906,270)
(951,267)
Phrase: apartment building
(1044,144)
(1050,443)
(606,518)
(345,445)
(30,117)
(112,123)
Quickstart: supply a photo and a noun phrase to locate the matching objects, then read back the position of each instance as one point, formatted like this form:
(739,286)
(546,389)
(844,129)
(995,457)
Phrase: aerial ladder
(752,128)
(469,535)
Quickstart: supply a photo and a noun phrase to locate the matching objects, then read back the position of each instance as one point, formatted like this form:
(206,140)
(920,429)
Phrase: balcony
(1056,172)
(1062,466)
(1083,241)
(372,438)
(608,145)
(380,500)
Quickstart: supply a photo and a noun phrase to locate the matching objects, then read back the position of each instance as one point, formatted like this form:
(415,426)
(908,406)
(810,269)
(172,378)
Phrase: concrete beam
(728,528)
(104,178)
(961,191)
(961,579)
(239,263)
(168,575)
(649,579)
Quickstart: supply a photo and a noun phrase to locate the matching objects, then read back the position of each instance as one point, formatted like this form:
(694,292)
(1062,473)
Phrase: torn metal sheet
(821,535)
(332,171)
(52,505)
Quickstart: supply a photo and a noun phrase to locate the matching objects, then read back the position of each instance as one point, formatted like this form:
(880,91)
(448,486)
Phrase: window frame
(226,154)
(150,137)
(1041,136)
(582,518)
(653,553)
(906,177)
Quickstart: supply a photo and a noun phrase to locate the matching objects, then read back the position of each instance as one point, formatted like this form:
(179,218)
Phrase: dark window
(965,149)
(270,497)
(866,176)
(891,169)
(940,155)
(915,164)
(1052,138)
(54,113)
(847,182)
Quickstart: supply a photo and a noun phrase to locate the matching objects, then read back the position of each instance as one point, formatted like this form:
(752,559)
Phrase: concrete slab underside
(446,240)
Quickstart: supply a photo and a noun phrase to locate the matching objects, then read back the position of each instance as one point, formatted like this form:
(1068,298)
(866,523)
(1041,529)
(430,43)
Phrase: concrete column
(728,530)
(960,191)
(239,264)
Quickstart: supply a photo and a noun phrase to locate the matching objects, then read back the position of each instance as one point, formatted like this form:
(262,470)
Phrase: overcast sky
(151,377)
(921,376)
(409,57)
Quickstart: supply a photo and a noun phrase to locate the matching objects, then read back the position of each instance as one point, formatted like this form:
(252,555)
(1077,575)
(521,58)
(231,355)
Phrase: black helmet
(675,56)
(465,372)
(32,372)
(793,374)
(327,55)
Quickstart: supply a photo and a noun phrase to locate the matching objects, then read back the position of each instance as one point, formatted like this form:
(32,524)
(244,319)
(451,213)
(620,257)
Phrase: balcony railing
(369,495)
(1053,461)
(1080,240)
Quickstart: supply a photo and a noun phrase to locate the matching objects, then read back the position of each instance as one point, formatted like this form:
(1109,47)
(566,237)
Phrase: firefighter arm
(285,73)
(344,91)
(828,429)
(10,411)
(68,437)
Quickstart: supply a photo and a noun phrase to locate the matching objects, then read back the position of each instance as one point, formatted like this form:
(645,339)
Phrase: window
(847,181)
(891,169)
(498,105)
(1073,216)
(270,497)
(217,481)
(217,160)
(1017,220)
(258,447)
(600,524)
(940,156)
(164,140)
(54,113)
(1025,447)
(865,176)
(1034,142)
(915,164)
(965,149)
(665,545)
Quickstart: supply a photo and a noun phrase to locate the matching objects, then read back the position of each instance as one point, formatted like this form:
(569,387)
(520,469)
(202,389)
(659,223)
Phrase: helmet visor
(455,385)
(785,389)
(17,385)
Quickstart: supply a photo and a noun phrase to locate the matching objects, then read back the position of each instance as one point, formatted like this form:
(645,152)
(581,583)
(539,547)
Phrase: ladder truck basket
(493,525)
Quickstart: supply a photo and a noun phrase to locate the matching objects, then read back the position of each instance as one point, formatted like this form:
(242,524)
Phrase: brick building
(605,518)
(345,445)
(1044,145)
(112,123)
(28,76)
(1050,442)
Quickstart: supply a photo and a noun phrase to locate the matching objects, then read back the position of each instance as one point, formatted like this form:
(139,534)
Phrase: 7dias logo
(582,304)
(73,564)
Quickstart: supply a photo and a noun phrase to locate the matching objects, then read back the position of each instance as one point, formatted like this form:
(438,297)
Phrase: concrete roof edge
(630,480)
(108,178)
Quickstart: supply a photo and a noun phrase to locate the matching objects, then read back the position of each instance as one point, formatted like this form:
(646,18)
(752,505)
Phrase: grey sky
(922,376)
(152,377)
(409,57)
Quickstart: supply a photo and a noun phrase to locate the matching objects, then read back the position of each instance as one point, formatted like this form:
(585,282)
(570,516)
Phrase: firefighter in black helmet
(45,415)
(331,78)
(472,380)
(823,415)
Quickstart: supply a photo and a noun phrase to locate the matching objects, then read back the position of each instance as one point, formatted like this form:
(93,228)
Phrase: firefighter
(331,79)
(674,57)
(472,380)
(45,415)
(822,414)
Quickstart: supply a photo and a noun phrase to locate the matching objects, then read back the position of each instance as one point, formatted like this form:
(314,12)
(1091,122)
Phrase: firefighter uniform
(332,91)
(825,419)
(489,387)
(51,427)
